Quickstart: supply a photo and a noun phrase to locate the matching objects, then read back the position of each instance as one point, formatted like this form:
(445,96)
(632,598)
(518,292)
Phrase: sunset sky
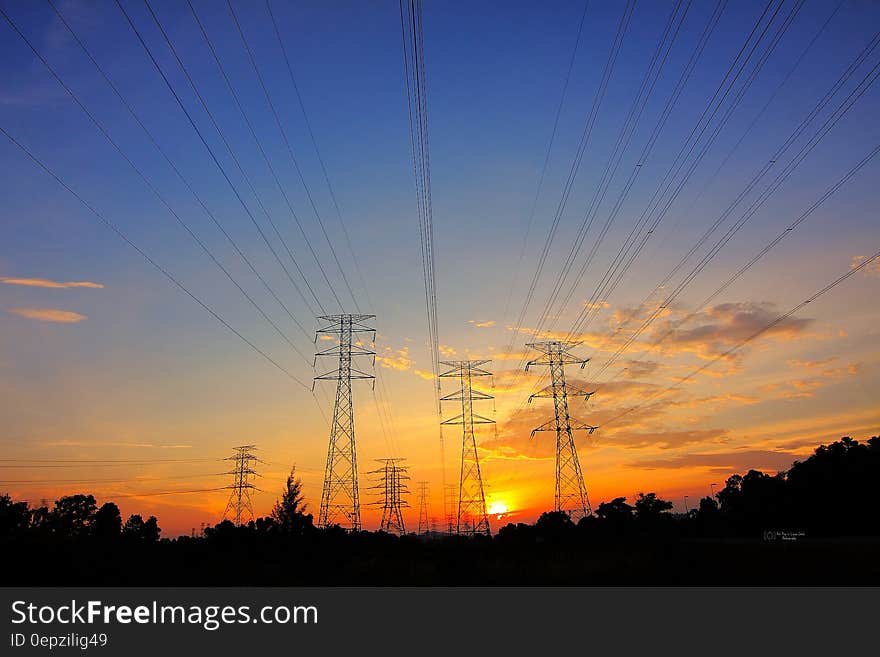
(102,358)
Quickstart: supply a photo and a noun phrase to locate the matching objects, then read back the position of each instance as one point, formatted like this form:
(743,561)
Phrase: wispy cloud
(809,364)
(446,351)
(49,315)
(485,324)
(45,282)
(96,443)
(395,360)
(872,269)
(724,462)
(662,439)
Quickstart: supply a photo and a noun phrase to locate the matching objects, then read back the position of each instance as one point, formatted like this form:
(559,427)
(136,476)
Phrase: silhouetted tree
(754,502)
(14,516)
(73,514)
(142,530)
(107,522)
(289,511)
(554,526)
(615,517)
(834,491)
(615,510)
(39,519)
(708,506)
(649,507)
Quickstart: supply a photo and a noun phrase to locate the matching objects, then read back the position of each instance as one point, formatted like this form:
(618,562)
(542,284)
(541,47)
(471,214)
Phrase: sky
(102,357)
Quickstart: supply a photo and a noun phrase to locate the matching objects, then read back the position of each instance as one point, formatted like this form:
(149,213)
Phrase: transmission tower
(450,505)
(340,502)
(240,498)
(392,487)
(571,493)
(423,507)
(471,517)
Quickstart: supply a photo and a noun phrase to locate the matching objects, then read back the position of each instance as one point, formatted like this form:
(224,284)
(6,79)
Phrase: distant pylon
(423,507)
(392,487)
(571,492)
(240,498)
(471,517)
(450,507)
(340,499)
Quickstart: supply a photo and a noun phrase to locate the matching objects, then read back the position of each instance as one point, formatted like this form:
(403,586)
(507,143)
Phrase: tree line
(833,492)
(831,496)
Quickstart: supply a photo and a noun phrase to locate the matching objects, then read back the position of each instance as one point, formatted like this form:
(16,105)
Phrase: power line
(764,251)
(238,165)
(293,159)
(629,251)
(708,184)
(852,271)
(311,132)
(531,216)
(645,91)
(107,481)
(210,150)
(576,162)
(829,123)
(153,188)
(150,260)
(138,461)
(670,104)
(416,90)
(166,492)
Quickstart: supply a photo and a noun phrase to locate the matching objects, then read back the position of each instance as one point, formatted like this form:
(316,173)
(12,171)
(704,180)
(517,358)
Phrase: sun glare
(498,509)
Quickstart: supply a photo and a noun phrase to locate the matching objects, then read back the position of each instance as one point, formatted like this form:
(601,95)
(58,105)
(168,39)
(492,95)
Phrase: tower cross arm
(577,425)
(458,395)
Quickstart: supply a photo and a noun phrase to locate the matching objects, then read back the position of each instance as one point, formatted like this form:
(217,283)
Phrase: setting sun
(498,509)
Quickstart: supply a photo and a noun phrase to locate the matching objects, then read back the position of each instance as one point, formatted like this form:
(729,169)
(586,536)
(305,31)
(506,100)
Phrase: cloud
(662,439)
(726,398)
(723,462)
(809,364)
(507,453)
(95,443)
(428,376)
(715,330)
(446,351)
(44,282)
(637,368)
(49,315)
(395,360)
(806,387)
(486,324)
(871,269)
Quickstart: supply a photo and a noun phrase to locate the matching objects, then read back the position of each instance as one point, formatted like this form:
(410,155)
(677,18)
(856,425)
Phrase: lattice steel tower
(423,507)
(450,506)
(240,498)
(392,487)
(340,501)
(472,517)
(571,492)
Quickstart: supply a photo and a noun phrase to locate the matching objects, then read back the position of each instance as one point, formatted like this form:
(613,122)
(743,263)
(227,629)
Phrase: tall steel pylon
(392,489)
(340,501)
(571,492)
(472,517)
(240,498)
(423,507)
